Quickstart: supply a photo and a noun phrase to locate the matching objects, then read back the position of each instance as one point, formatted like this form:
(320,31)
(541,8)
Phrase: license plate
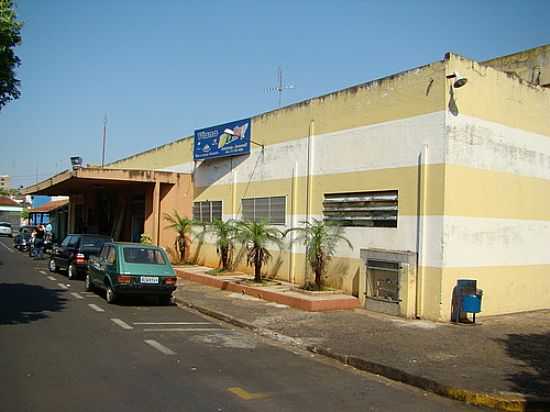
(149,279)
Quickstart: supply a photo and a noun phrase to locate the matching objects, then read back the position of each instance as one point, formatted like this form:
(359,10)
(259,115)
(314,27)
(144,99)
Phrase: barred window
(371,209)
(207,211)
(270,209)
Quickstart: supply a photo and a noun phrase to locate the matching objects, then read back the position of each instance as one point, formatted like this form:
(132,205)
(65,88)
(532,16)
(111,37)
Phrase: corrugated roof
(50,206)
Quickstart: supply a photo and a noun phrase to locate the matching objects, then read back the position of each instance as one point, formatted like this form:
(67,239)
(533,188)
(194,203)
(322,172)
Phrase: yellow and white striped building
(470,167)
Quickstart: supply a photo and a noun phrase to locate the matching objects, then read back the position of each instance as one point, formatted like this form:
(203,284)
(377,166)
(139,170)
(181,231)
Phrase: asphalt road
(63,349)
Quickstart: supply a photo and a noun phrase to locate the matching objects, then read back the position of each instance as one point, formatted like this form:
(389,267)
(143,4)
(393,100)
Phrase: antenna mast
(280,85)
(104,140)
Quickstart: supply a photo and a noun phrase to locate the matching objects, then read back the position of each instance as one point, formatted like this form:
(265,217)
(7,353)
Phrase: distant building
(4,182)
(10,211)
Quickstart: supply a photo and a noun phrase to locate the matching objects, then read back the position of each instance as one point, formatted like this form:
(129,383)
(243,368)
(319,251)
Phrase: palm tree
(182,225)
(225,233)
(320,239)
(256,236)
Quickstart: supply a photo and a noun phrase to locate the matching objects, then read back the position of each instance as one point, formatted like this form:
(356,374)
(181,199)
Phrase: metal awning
(76,181)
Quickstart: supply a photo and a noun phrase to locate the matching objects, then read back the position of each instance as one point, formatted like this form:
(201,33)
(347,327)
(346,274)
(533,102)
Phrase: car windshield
(143,255)
(95,242)
(2,224)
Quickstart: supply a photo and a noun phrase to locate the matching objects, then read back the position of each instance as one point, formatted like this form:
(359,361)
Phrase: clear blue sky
(161,69)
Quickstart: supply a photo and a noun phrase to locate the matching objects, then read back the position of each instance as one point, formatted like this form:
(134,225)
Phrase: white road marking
(51,278)
(159,347)
(181,329)
(96,308)
(41,271)
(172,323)
(76,295)
(122,324)
(7,247)
(62,286)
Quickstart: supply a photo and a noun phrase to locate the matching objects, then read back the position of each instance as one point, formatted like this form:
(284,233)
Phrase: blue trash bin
(471,303)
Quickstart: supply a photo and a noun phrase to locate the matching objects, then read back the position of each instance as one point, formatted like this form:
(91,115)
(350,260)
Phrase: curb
(510,403)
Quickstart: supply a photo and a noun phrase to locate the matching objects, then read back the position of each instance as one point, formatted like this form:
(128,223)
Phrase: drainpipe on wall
(293,222)
(309,183)
(421,228)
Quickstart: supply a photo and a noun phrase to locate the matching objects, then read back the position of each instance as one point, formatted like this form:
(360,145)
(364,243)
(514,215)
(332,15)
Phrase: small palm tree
(225,233)
(183,227)
(320,239)
(256,236)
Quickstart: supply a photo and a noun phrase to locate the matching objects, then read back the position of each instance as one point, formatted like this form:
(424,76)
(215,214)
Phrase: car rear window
(5,225)
(143,255)
(95,242)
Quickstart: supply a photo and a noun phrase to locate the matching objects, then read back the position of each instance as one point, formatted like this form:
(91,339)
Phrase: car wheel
(88,284)
(110,295)
(52,267)
(71,272)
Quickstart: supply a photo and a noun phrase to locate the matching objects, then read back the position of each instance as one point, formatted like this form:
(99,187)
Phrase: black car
(22,240)
(73,253)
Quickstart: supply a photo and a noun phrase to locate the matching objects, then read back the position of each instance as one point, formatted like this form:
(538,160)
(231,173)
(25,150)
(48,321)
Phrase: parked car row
(117,268)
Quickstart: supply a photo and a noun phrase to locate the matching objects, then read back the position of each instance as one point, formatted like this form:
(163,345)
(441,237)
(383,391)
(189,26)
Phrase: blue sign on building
(229,139)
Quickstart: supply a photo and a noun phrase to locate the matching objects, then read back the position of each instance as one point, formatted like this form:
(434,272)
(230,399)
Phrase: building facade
(434,181)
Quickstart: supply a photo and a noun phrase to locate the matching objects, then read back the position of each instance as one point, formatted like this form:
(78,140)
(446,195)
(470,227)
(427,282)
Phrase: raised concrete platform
(281,293)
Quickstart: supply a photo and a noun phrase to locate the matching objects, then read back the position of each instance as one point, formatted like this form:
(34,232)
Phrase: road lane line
(245,395)
(41,271)
(62,286)
(51,278)
(172,323)
(159,347)
(76,295)
(7,247)
(122,324)
(181,329)
(96,308)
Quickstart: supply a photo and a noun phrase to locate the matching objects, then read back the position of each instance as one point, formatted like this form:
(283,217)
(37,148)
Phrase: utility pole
(104,140)
(280,85)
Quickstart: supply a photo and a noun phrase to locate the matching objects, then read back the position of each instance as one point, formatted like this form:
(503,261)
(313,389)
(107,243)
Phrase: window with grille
(371,209)
(207,211)
(269,209)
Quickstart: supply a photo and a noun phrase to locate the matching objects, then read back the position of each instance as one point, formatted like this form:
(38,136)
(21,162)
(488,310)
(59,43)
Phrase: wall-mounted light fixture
(458,79)
(76,162)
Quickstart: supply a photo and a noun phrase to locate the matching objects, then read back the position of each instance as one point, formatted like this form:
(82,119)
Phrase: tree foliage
(321,240)
(183,226)
(10,37)
(256,237)
(225,233)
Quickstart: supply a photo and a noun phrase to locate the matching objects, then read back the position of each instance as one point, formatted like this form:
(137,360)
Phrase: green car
(131,269)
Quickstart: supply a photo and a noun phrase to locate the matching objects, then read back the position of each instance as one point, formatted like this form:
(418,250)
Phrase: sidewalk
(503,362)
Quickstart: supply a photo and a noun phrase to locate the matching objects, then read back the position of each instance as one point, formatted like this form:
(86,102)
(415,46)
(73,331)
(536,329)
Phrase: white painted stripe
(51,278)
(7,247)
(122,324)
(181,329)
(482,144)
(172,323)
(77,296)
(95,307)
(159,347)
(44,273)
(358,149)
(62,286)
(471,242)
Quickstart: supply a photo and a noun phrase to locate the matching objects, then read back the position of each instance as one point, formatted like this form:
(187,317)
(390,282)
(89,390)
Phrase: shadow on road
(21,303)
(533,351)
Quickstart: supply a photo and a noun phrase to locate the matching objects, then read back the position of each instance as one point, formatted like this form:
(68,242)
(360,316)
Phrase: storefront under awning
(122,203)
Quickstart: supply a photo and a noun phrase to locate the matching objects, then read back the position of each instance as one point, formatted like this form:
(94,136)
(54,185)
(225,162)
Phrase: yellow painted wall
(411,93)
(493,95)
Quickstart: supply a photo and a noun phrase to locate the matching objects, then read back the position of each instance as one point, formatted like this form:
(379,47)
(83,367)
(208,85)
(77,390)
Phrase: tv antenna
(281,86)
